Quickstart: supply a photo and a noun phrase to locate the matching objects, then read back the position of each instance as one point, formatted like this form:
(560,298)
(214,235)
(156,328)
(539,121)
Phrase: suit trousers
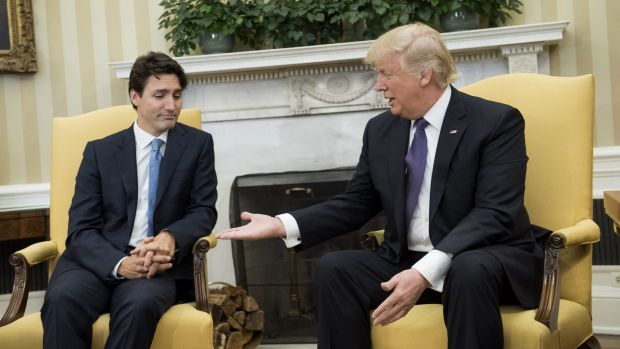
(76,298)
(348,288)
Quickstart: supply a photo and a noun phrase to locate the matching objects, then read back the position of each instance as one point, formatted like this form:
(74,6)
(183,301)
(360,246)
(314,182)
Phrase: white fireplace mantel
(457,42)
(327,79)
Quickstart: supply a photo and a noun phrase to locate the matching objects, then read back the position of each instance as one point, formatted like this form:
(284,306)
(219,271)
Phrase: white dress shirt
(143,151)
(434,265)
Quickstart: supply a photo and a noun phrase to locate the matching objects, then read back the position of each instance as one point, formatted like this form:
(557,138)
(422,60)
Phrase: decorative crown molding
(549,33)
(276,74)
(475,56)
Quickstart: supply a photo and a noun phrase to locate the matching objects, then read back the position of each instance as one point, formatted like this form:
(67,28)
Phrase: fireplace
(281,279)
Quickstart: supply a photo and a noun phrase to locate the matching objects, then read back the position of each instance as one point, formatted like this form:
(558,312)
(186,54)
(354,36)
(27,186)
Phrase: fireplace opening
(281,279)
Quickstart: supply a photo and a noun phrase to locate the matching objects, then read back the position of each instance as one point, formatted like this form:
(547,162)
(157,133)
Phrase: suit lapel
(126,162)
(174,149)
(454,124)
(399,140)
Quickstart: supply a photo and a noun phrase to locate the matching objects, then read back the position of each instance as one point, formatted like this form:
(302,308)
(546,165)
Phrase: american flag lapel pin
(453,132)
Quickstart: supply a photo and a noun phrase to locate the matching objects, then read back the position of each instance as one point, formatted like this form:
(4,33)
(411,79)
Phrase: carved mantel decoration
(329,79)
(17,47)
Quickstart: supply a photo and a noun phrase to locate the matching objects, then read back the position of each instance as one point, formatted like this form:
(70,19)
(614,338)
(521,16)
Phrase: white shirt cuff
(434,267)
(293,235)
(115,270)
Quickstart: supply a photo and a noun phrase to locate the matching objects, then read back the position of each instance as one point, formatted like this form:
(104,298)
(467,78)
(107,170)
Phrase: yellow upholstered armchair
(559,115)
(186,325)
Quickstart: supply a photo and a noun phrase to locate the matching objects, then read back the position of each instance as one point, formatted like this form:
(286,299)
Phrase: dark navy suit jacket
(477,191)
(103,209)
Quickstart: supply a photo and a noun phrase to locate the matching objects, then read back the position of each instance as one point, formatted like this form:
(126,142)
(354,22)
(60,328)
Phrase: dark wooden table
(24,224)
(611,200)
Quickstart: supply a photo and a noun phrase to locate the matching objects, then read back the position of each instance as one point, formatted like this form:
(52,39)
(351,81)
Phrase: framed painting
(17,50)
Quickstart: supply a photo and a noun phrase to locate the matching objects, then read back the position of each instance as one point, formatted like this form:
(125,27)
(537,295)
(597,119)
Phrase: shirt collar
(436,114)
(144,139)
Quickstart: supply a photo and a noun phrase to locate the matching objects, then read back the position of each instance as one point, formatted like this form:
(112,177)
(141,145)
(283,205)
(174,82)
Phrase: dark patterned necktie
(415,160)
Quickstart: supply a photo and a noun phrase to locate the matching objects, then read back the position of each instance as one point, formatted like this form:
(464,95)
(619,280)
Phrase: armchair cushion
(186,322)
(179,328)
(25,332)
(419,329)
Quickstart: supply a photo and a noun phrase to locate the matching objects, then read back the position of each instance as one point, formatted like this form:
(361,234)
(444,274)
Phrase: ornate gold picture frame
(17,50)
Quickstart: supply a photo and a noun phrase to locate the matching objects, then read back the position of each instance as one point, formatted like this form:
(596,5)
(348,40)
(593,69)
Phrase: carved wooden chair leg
(21,286)
(201,289)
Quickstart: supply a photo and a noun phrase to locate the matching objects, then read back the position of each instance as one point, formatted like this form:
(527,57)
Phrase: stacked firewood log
(237,319)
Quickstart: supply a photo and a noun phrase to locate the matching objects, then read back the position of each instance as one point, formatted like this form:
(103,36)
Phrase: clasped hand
(154,255)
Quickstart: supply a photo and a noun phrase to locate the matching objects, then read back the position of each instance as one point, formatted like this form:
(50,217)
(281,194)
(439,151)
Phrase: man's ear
(426,76)
(134,96)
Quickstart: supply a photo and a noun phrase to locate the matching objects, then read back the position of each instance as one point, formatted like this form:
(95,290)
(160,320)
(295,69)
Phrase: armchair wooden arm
(39,252)
(201,247)
(21,261)
(584,232)
(611,200)
(372,240)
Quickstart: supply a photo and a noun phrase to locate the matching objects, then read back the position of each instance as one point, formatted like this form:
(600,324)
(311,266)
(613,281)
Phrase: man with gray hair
(448,171)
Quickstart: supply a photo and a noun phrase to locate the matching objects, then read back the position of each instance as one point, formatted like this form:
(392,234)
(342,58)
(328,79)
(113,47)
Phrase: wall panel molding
(606,170)
(605,298)
(23,197)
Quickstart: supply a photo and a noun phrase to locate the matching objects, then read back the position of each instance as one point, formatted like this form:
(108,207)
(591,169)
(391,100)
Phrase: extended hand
(406,287)
(260,227)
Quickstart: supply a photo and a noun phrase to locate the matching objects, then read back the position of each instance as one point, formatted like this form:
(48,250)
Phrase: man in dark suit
(448,170)
(143,196)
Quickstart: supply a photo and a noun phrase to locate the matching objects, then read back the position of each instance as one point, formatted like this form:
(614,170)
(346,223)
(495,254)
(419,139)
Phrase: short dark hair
(153,64)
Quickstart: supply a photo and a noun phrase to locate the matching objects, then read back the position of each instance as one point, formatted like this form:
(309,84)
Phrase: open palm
(260,227)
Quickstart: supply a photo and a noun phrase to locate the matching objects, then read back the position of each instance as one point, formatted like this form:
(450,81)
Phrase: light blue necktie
(154,162)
